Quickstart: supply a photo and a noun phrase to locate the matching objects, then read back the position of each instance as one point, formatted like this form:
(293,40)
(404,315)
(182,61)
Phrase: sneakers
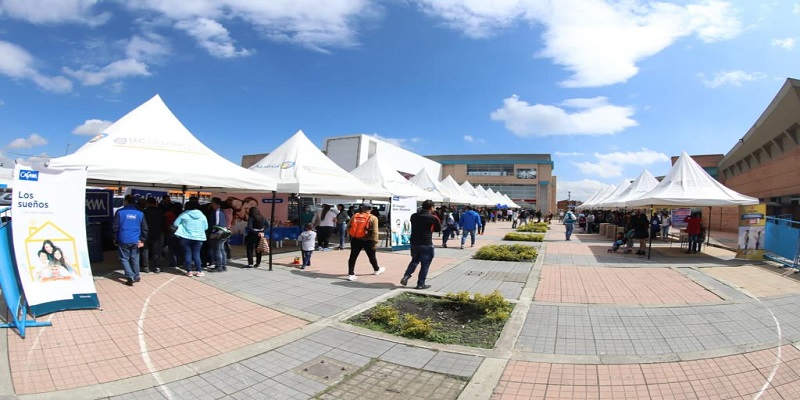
(422,287)
(249,266)
(200,274)
(190,273)
(155,270)
(462,247)
(351,278)
(404,280)
(137,279)
(380,271)
(129,282)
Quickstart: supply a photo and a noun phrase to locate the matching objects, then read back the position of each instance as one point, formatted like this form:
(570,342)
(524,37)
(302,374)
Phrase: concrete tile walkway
(587,324)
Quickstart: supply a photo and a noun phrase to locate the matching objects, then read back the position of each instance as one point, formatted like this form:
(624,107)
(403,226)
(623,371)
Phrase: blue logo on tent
(28,175)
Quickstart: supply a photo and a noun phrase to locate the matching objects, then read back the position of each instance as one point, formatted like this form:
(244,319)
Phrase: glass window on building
(490,169)
(526,173)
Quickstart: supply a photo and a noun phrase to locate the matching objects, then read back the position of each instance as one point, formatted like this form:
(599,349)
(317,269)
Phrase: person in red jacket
(693,229)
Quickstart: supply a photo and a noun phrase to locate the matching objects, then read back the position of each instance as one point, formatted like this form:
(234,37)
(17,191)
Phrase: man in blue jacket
(130,231)
(470,221)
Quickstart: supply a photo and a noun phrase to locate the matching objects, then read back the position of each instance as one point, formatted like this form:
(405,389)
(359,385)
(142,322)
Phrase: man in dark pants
(368,243)
(216,245)
(423,224)
(154,245)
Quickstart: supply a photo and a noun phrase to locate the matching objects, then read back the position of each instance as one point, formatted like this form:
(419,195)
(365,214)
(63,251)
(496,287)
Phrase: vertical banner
(49,231)
(752,222)
(678,215)
(400,223)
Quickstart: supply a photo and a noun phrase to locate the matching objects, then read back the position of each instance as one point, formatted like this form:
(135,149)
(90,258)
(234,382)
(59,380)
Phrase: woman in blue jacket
(191,228)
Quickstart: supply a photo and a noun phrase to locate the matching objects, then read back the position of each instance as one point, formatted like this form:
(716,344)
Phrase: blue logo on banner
(395,198)
(98,203)
(268,201)
(28,175)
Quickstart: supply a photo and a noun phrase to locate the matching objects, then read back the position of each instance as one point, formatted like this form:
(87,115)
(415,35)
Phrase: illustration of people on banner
(752,223)
(49,232)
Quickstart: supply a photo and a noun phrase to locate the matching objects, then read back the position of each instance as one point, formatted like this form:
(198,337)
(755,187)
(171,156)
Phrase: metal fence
(783,241)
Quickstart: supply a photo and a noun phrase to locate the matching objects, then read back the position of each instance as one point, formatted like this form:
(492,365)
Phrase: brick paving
(588,325)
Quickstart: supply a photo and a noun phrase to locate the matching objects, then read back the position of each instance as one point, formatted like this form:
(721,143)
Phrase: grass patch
(538,227)
(506,252)
(461,319)
(523,237)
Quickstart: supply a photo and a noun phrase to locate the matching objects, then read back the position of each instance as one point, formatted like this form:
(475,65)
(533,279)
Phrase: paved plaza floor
(587,324)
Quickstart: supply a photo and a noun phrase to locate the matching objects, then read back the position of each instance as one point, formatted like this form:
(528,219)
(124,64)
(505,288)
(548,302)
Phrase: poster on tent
(400,223)
(678,216)
(49,230)
(752,222)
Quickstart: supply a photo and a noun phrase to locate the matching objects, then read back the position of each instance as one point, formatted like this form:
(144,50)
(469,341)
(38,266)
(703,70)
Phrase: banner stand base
(25,324)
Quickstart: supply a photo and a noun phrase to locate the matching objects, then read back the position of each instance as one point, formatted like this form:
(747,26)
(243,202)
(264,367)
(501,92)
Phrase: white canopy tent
(455,192)
(643,184)
(688,184)
(603,191)
(424,181)
(601,202)
(149,147)
(510,202)
(478,199)
(300,167)
(483,194)
(376,172)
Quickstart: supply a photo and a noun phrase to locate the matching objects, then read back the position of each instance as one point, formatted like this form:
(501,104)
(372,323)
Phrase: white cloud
(593,117)
(731,78)
(149,47)
(91,75)
(579,191)
(25,143)
(49,12)
(91,127)
(787,43)
(612,164)
(472,139)
(212,36)
(17,63)
(569,154)
(301,22)
(599,41)
(796,9)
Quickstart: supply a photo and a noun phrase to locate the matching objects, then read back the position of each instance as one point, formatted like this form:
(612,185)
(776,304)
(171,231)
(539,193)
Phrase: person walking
(130,231)
(470,223)
(569,222)
(363,231)
(448,225)
(256,224)
(423,224)
(307,242)
(341,224)
(191,232)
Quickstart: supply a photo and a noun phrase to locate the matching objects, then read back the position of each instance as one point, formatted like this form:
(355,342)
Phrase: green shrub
(506,252)
(460,297)
(539,228)
(498,315)
(385,314)
(492,302)
(413,326)
(523,237)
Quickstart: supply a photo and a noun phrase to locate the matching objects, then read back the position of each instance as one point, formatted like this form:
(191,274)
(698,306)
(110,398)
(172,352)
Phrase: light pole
(569,199)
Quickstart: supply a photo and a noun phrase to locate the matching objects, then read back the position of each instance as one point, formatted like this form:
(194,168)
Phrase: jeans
(665,232)
(694,242)
(175,251)
(471,236)
(420,253)
(151,254)
(514,224)
(251,242)
(307,257)
(342,230)
(569,227)
(129,257)
(356,245)
(446,232)
(191,252)
(216,249)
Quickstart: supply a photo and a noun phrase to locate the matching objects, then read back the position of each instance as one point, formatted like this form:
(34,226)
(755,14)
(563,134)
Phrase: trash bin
(94,240)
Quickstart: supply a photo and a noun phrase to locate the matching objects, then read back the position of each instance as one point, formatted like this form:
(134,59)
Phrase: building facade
(526,178)
(765,162)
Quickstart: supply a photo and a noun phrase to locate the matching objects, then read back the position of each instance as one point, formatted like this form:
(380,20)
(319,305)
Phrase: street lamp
(569,199)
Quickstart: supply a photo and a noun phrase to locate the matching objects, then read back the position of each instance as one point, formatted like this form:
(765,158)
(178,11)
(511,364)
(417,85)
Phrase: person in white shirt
(325,221)
(307,240)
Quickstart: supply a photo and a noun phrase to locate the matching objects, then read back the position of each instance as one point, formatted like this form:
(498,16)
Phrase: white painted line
(771,376)
(143,343)
(33,346)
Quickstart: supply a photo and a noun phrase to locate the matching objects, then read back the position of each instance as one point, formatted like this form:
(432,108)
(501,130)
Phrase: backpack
(569,218)
(359,226)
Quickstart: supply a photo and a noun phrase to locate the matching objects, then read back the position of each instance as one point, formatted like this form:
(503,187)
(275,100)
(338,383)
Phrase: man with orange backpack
(363,231)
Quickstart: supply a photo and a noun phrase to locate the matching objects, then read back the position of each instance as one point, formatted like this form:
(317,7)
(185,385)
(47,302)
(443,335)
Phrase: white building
(351,151)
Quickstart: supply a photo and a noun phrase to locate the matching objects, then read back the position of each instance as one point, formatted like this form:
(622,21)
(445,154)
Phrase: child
(308,241)
(618,242)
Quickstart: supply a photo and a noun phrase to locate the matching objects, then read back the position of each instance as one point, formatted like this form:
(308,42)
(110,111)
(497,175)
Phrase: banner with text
(752,222)
(400,223)
(49,231)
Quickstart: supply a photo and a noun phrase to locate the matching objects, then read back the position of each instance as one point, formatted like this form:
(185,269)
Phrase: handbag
(263,245)
(220,232)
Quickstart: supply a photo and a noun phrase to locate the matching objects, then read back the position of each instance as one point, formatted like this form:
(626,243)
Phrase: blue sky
(609,88)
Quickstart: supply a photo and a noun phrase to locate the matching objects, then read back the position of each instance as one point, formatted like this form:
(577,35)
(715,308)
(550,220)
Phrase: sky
(608,88)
